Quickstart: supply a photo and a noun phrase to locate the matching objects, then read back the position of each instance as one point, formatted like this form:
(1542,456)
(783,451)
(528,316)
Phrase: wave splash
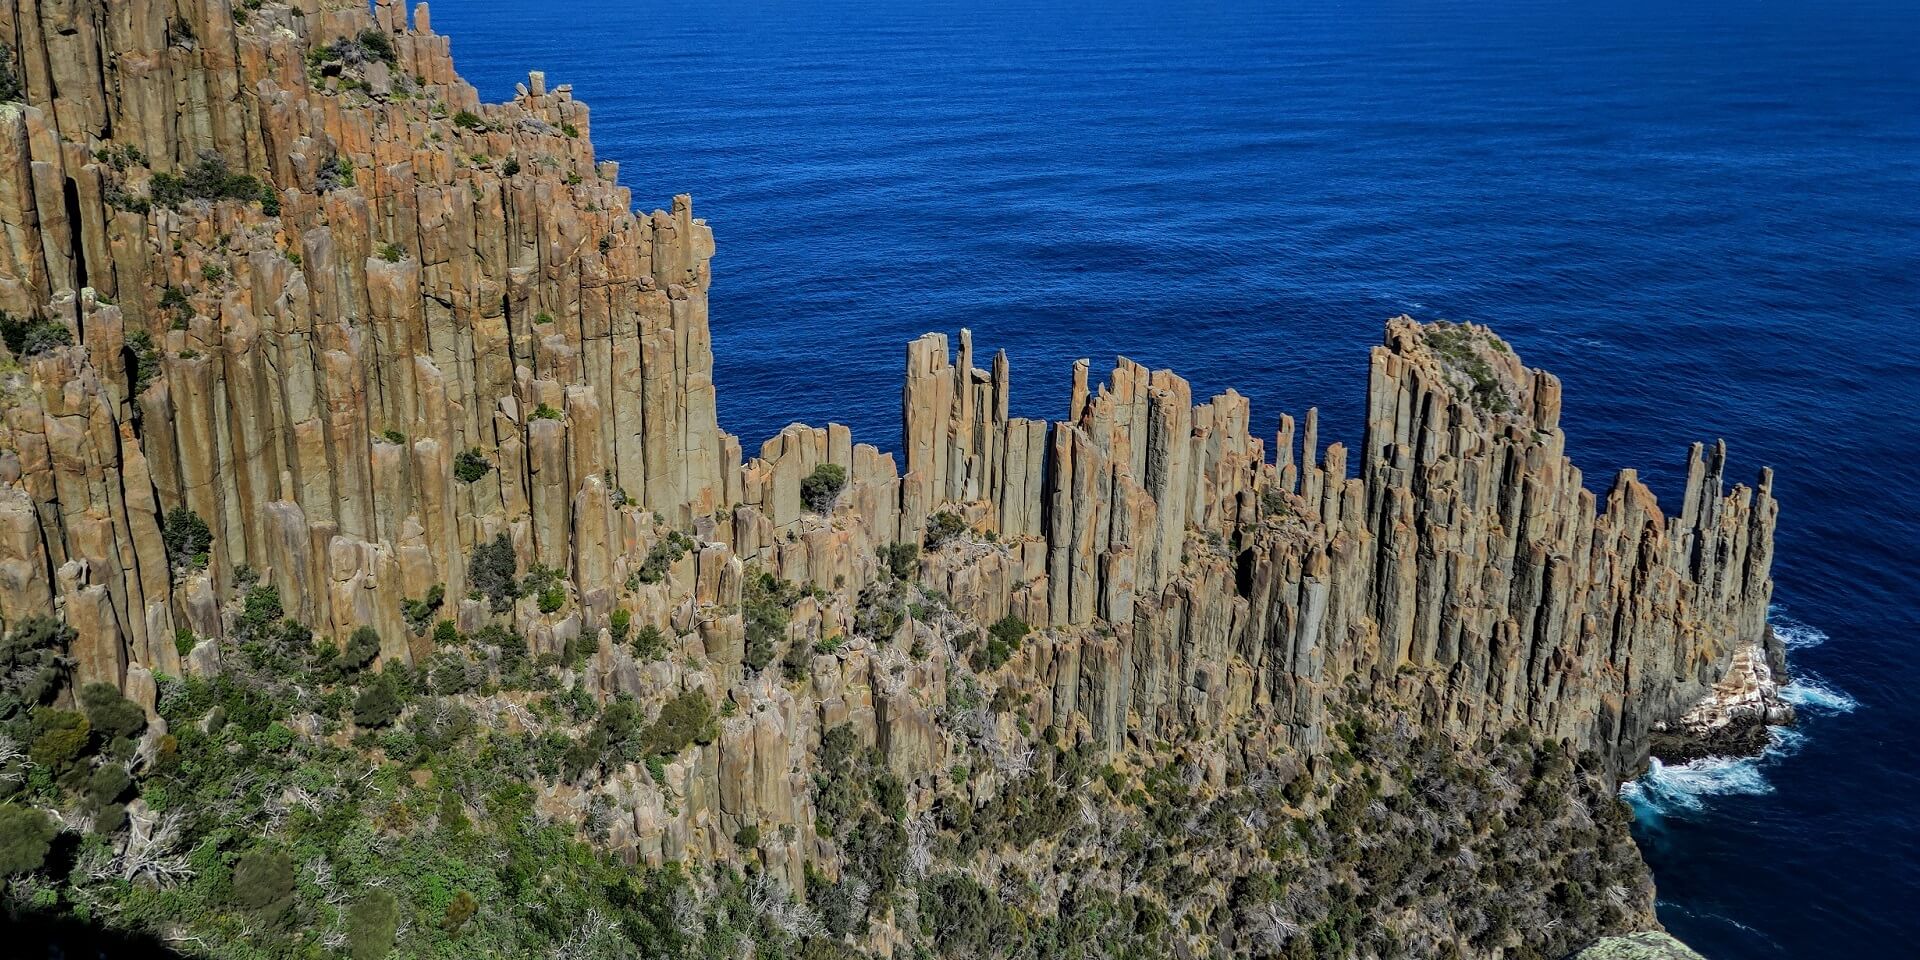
(1793,634)
(1685,788)
(1810,692)
(1681,789)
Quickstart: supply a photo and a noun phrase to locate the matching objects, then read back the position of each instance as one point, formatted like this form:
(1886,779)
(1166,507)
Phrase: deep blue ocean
(1703,215)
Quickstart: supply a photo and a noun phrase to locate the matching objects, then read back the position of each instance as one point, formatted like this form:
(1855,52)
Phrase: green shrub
(468,120)
(10,88)
(662,556)
(60,738)
(33,664)
(111,715)
(208,179)
(187,540)
(552,598)
(142,359)
(470,466)
(377,44)
(392,253)
(766,604)
(419,613)
(942,527)
(545,412)
(372,922)
(822,487)
(649,642)
(686,720)
(459,910)
(620,625)
(494,572)
(377,705)
(362,648)
(902,560)
(263,882)
(26,834)
(30,338)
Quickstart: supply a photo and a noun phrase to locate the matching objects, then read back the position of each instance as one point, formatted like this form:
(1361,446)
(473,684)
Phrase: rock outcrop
(282,271)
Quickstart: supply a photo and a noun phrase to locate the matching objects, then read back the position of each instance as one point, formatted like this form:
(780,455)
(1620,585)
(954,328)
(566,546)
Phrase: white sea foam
(1793,634)
(1808,692)
(1685,788)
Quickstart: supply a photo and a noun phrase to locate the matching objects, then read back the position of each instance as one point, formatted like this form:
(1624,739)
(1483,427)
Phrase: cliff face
(363,325)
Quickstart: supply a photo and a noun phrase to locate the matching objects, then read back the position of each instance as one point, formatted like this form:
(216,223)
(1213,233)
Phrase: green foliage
(187,540)
(459,910)
(1002,640)
(620,625)
(111,715)
(263,882)
(470,465)
(378,703)
(33,664)
(766,604)
(419,613)
(943,527)
(31,338)
(545,412)
(377,44)
(662,556)
(570,130)
(687,719)
(392,252)
(493,572)
(363,646)
(901,560)
(511,168)
(10,87)
(822,487)
(372,923)
(26,834)
(1459,348)
(209,179)
(649,643)
(60,738)
(552,597)
(142,359)
(468,120)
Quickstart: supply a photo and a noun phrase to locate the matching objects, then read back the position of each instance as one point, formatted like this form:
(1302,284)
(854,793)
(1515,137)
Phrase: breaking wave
(1681,789)
(1793,634)
(1685,788)
(1809,692)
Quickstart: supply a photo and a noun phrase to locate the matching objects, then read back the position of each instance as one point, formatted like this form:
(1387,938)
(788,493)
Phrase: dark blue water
(1704,215)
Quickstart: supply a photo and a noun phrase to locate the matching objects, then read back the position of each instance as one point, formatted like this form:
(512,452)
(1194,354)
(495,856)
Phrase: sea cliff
(290,310)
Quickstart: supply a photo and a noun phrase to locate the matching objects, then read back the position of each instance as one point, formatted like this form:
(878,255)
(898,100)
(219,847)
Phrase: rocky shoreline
(1737,716)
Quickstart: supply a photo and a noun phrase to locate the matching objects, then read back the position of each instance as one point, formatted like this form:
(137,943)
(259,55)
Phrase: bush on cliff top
(822,487)
(30,338)
(210,179)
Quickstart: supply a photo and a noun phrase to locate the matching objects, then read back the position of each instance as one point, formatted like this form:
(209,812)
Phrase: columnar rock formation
(428,321)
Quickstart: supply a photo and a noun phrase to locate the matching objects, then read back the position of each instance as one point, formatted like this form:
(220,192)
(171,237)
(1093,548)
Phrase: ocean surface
(1704,216)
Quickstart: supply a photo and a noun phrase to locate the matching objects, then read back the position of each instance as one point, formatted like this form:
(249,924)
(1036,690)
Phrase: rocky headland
(351,422)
